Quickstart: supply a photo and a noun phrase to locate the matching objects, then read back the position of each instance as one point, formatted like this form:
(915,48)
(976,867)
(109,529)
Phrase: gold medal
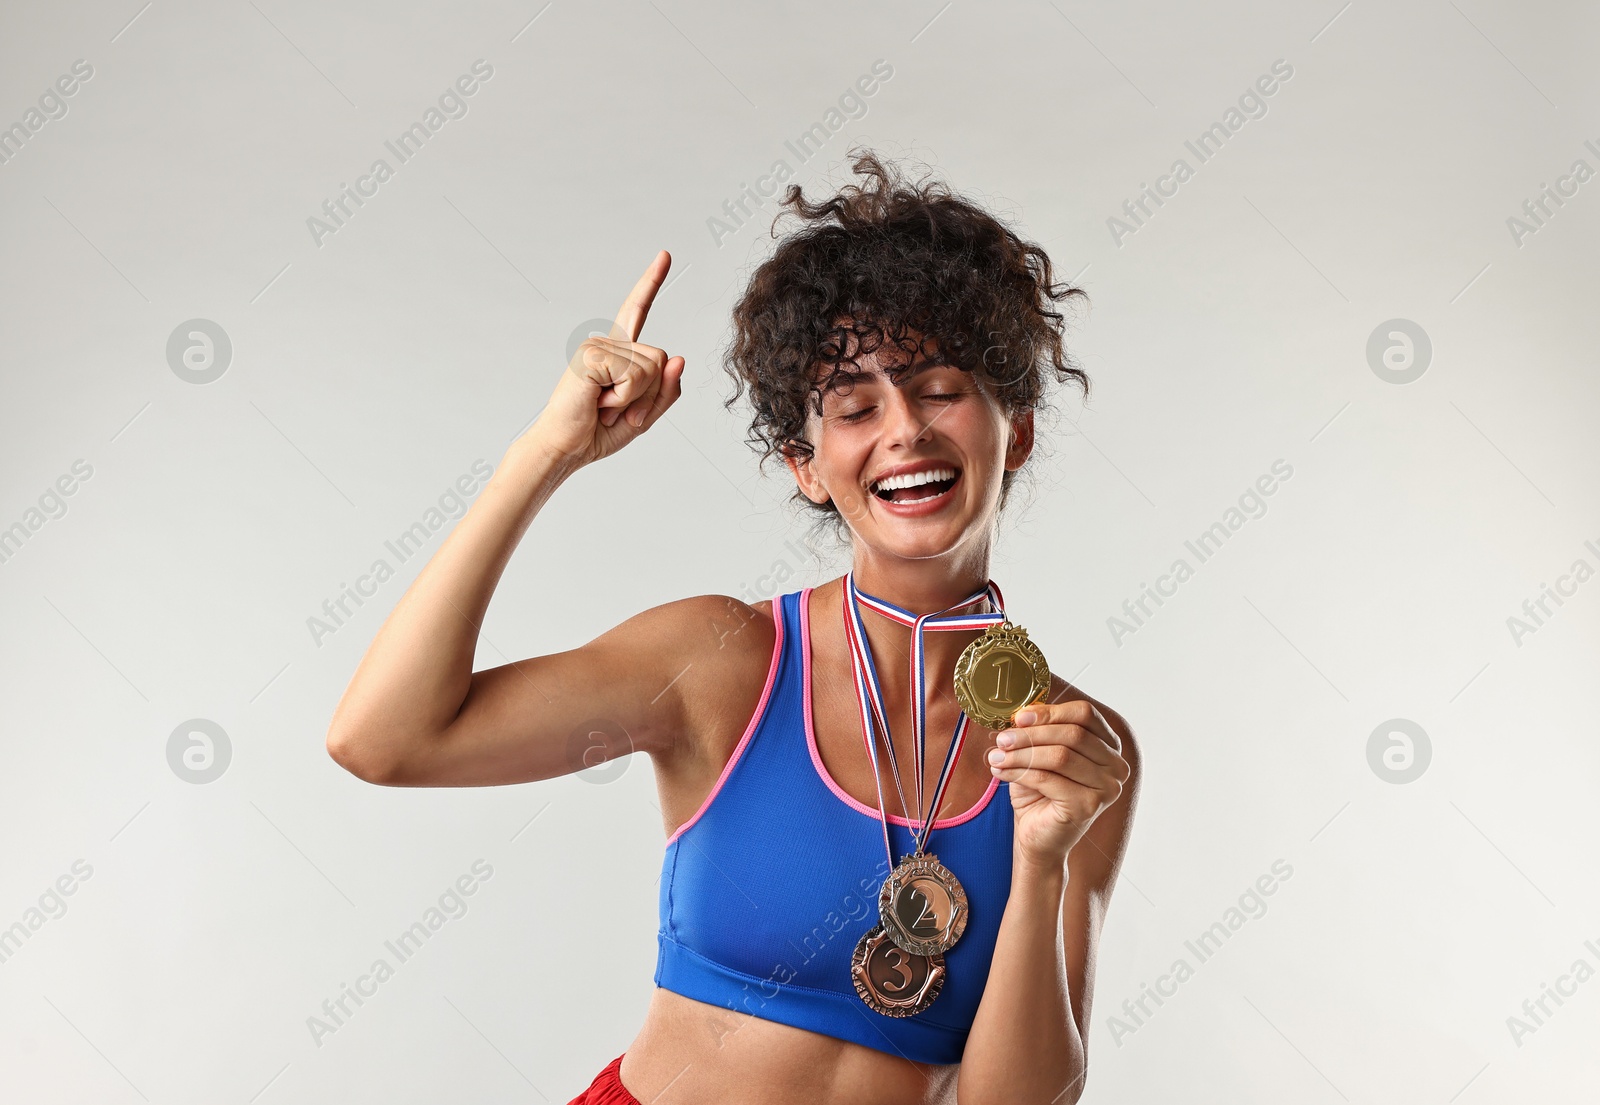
(891,980)
(999,673)
(922,906)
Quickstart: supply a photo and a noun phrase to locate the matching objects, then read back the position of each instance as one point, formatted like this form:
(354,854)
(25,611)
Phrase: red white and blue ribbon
(869,693)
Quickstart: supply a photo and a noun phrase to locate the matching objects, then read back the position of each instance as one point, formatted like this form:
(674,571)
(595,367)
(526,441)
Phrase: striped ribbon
(869,693)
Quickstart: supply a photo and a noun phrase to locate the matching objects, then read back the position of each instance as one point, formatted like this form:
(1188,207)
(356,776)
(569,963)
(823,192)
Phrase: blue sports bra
(767,888)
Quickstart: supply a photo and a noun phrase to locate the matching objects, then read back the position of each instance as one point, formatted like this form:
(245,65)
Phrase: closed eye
(856,416)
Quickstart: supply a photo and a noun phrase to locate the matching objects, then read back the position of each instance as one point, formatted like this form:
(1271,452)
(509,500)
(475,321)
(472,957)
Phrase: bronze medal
(999,673)
(922,905)
(891,980)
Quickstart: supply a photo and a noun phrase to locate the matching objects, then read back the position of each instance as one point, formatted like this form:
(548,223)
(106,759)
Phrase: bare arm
(414,713)
(1029,1039)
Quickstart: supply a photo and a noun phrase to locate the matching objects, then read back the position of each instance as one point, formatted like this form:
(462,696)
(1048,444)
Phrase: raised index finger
(630,319)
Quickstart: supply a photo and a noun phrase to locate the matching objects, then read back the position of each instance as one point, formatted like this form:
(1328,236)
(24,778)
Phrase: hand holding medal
(1064,763)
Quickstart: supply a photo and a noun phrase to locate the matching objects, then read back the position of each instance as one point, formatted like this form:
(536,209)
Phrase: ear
(805,476)
(1021,440)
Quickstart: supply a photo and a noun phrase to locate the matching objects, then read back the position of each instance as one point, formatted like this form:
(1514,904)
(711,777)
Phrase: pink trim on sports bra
(749,729)
(816,757)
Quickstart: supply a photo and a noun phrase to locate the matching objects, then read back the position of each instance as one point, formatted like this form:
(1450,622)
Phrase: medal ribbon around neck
(869,693)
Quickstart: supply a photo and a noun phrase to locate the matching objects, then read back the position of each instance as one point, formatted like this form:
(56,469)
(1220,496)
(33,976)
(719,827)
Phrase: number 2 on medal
(917,898)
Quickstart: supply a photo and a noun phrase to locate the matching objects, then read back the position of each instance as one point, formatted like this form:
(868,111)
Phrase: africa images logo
(1251,905)
(452,104)
(1252,503)
(1252,104)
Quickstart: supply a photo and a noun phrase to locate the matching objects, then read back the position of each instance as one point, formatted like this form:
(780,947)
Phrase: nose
(904,424)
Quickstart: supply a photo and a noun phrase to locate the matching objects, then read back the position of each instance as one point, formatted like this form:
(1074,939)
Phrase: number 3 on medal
(898,962)
(891,980)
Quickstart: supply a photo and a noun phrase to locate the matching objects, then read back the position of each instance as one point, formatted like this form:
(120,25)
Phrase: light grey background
(371,371)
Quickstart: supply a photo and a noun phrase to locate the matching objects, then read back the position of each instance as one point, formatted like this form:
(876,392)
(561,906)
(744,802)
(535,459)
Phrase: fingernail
(1026,717)
(1006,740)
(996,756)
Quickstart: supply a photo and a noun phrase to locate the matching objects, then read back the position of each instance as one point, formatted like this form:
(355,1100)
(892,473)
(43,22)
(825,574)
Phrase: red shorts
(607,1088)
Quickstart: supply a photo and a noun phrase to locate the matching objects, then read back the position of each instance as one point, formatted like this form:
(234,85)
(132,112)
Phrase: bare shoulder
(717,652)
(717,622)
(700,629)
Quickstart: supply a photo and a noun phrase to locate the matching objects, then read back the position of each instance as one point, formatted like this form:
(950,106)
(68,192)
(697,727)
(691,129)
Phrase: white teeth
(915,479)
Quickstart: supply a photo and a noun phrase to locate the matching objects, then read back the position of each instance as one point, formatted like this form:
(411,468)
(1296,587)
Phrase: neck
(923,586)
(919,587)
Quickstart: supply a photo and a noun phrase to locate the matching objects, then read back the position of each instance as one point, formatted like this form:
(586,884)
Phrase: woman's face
(939,422)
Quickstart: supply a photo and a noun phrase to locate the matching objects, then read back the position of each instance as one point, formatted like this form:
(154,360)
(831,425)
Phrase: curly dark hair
(909,264)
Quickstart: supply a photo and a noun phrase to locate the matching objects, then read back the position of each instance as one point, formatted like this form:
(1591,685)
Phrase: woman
(782,731)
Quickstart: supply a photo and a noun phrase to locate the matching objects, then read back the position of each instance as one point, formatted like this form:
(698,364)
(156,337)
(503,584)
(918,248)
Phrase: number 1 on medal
(1002,673)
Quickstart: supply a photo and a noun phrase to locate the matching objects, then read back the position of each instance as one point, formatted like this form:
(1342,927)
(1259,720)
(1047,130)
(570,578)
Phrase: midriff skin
(692,1053)
(689,1051)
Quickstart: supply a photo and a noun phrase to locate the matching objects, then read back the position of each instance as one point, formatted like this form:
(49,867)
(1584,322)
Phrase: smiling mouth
(920,491)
